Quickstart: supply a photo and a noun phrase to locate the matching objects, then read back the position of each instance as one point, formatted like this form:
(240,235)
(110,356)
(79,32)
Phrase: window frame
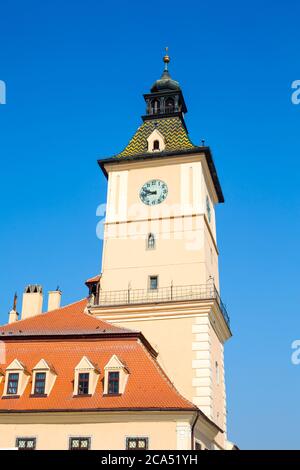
(26,440)
(114,381)
(153,276)
(137,438)
(156,145)
(169,105)
(14,381)
(151,238)
(35,392)
(85,381)
(80,438)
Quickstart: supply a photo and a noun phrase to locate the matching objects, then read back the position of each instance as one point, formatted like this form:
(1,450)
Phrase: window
(169,105)
(113,383)
(153,282)
(151,241)
(12,385)
(80,443)
(83,384)
(40,383)
(156,145)
(155,107)
(26,443)
(136,443)
(208,210)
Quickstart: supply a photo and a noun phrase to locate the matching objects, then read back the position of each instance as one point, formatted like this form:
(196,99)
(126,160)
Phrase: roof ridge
(44,313)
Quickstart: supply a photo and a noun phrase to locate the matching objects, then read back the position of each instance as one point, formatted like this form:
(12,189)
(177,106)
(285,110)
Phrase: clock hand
(150,192)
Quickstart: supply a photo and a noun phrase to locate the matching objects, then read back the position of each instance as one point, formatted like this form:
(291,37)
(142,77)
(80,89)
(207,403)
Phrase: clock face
(153,192)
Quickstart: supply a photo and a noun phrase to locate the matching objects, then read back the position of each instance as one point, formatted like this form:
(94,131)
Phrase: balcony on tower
(160,295)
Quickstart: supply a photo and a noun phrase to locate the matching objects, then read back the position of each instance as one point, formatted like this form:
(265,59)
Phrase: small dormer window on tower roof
(156,145)
(156,141)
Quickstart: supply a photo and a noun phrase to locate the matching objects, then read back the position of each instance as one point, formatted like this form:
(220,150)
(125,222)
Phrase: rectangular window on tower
(153,282)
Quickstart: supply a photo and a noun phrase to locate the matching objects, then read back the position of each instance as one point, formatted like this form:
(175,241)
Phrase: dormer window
(115,376)
(40,383)
(44,377)
(16,379)
(156,141)
(12,384)
(83,383)
(113,383)
(151,242)
(86,378)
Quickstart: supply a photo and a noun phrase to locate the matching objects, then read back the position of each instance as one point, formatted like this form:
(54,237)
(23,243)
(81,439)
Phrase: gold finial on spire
(166,58)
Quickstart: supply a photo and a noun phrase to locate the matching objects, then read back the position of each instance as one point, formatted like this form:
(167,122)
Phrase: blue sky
(75,73)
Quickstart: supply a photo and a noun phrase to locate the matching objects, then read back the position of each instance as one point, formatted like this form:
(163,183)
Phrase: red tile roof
(62,337)
(94,279)
(147,388)
(69,320)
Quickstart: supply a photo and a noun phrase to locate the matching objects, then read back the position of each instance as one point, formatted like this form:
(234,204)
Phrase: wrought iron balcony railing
(162,294)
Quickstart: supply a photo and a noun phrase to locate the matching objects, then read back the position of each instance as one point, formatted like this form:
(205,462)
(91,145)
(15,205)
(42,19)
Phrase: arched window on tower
(151,241)
(169,105)
(155,106)
(156,145)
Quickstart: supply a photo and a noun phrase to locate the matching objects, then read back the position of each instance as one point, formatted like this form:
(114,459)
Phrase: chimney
(32,301)
(13,316)
(54,298)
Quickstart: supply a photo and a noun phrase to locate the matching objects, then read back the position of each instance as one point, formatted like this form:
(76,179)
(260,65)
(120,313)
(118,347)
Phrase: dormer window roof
(16,379)
(86,377)
(43,378)
(115,376)
(156,141)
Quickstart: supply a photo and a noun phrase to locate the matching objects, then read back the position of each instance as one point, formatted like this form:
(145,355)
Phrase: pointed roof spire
(165,82)
(166,59)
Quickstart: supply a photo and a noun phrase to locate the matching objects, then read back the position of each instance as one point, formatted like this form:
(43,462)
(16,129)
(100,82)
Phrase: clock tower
(160,254)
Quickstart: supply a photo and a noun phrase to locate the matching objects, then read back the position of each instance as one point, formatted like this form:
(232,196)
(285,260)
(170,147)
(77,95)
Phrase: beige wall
(188,347)
(173,340)
(53,431)
(185,245)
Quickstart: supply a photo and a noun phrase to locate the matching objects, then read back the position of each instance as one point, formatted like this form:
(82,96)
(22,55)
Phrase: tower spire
(165,98)
(166,59)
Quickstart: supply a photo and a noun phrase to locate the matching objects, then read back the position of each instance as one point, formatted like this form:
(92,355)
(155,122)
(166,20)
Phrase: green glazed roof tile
(175,135)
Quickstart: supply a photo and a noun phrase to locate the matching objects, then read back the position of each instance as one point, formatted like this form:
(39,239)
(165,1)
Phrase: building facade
(147,346)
